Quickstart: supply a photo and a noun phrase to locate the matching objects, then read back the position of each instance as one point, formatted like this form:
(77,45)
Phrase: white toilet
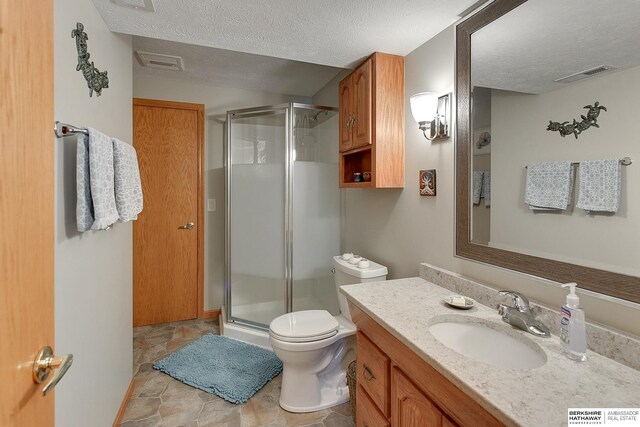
(314,345)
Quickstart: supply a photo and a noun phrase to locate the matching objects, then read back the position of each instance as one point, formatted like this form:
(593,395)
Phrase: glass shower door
(256,188)
(316,208)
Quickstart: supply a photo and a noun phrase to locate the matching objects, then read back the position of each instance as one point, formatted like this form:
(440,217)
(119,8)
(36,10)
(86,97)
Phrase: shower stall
(283,210)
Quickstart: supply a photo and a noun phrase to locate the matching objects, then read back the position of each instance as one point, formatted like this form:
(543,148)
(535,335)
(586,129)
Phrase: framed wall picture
(428,182)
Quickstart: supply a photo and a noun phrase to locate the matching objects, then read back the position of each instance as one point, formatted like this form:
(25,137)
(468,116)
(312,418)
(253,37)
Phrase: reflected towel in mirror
(482,187)
(477,186)
(486,188)
(549,185)
(600,182)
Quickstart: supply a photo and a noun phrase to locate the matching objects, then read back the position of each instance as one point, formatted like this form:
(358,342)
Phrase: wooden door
(166,250)
(346,114)
(362,104)
(26,207)
(409,406)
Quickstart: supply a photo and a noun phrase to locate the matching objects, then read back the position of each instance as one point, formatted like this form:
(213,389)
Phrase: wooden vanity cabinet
(397,388)
(372,123)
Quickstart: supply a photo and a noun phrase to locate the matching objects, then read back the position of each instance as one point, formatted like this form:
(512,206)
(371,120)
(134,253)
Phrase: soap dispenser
(573,335)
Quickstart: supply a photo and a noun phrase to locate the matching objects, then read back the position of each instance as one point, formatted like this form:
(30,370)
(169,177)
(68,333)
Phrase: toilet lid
(304,326)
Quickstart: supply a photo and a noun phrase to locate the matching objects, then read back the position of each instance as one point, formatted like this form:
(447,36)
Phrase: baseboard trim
(210,314)
(123,406)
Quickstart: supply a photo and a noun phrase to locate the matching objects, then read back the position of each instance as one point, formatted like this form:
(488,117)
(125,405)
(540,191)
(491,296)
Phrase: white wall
(400,229)
(93,271)
(519,137)
(218,101)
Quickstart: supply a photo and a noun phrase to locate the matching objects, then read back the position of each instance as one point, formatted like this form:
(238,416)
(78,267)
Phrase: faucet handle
(520,302)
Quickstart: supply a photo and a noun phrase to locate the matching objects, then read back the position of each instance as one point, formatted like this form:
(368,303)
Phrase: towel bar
(625,161)
(64,129)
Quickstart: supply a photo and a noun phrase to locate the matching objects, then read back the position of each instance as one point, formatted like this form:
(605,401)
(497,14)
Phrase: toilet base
(330,397)
(305,391)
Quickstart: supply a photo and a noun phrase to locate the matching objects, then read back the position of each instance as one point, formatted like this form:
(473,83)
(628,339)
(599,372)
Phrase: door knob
(45,362)
(187,226)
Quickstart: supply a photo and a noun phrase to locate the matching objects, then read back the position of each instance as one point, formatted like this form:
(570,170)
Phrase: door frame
(199,108)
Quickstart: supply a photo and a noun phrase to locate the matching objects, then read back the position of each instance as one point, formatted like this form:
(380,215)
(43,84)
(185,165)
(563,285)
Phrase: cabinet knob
(351,121)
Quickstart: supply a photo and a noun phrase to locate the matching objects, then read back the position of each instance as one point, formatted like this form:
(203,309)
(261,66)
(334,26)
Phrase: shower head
(315,117)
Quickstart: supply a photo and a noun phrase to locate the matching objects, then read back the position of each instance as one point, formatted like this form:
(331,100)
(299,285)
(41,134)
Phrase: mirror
(541,87)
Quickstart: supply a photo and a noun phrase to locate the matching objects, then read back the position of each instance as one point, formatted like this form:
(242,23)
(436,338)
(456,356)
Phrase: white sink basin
(487,342)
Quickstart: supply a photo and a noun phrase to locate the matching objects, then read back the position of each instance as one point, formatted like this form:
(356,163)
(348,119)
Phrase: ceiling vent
(585,74)
(137,4)
(161,61)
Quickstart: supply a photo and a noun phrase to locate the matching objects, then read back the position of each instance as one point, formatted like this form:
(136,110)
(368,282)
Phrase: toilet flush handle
(333,271)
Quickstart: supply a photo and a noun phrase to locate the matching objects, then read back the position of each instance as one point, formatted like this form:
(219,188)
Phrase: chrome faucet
(520,315)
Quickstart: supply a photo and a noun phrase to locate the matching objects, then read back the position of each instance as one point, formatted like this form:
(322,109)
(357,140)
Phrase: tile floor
(160,400)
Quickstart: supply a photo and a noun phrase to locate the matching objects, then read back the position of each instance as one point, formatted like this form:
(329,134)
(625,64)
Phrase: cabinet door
(367,414)
(409,406)
(362,100)
(346,114)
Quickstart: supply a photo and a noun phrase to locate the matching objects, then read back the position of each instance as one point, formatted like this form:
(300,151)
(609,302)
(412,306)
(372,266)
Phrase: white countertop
(533,397)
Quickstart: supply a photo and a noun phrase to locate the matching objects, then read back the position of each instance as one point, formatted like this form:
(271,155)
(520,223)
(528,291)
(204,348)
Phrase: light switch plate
(211,205)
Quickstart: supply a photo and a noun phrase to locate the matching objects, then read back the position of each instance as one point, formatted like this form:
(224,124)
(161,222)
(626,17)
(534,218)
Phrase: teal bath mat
(231,369)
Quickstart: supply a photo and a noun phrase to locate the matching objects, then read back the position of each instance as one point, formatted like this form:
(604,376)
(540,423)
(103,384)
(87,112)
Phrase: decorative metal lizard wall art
(576,127)
(96,79)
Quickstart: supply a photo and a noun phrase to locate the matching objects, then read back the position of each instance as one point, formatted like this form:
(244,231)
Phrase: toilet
(315,346)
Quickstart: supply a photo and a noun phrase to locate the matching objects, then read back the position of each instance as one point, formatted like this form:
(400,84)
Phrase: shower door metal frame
(289,110)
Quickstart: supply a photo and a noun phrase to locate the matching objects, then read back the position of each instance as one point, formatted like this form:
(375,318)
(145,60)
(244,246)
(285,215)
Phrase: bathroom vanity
(407,377)
(396,387)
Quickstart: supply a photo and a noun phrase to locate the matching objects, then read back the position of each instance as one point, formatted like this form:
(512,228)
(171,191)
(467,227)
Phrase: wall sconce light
(432,113)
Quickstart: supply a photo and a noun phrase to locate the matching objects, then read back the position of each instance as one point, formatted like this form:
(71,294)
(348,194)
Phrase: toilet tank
(347,274)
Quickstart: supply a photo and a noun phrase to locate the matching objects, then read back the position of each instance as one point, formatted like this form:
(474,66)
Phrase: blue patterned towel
(84,204)
(128,188)
(231,369)
(600,182)
(101,179)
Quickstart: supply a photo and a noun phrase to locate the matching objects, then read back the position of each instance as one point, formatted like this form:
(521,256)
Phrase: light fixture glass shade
(424,106)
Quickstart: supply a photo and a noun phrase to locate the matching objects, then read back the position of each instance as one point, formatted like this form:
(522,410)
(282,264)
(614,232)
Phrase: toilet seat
(304,326)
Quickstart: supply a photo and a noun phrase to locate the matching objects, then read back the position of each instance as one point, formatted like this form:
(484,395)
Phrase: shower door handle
(187,226)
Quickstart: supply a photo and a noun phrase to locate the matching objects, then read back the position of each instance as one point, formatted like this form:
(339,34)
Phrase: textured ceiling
(543,40)
(329,32)
(226,68)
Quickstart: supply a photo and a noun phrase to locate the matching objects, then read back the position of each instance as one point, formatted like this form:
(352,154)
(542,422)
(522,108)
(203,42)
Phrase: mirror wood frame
(601,281)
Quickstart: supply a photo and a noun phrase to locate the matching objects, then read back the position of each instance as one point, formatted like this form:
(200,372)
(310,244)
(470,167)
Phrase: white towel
(486,188)
(102,180)
(128,189)
(478,177)
(600,185)
(84,204)
(549,185)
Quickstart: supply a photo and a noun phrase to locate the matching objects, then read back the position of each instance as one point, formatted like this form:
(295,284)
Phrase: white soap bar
(347,256)
(355,259)
(458,300)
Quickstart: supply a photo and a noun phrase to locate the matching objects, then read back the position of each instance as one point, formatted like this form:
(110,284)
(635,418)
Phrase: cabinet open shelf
(355,161)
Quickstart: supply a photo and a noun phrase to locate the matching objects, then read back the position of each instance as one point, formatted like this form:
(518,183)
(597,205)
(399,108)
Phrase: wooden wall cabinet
(372,123)
(397,388)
